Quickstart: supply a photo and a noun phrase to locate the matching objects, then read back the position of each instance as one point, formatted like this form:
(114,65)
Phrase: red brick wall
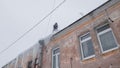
(70,46)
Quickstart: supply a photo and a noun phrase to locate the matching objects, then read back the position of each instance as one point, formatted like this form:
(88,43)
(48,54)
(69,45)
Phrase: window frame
(81,46)
(55,55)
(103,32)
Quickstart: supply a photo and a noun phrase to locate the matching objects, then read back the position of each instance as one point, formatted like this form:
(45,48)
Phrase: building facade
(28,59)
(93,41)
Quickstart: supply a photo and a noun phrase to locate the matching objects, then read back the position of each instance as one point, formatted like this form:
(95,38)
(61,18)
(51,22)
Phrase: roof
(94,12)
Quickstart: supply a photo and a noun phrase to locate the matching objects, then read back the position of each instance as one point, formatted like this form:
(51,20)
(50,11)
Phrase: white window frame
(57,64)
(81,41)
(103,32)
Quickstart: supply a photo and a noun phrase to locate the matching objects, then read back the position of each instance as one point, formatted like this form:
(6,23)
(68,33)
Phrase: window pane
(103,28)
(85,36)
(56,51)
(29,64)
(54,61)
(107,41)
(59,61)
(87,48)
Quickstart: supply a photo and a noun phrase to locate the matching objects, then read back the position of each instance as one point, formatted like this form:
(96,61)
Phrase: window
(87,48)
(106,38)
(56,58)
(29,64)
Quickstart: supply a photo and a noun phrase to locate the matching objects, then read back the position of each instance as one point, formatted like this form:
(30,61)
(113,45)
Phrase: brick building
(93,41)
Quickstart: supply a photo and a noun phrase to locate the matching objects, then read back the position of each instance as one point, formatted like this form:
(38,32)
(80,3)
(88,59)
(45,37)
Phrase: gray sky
(18,16)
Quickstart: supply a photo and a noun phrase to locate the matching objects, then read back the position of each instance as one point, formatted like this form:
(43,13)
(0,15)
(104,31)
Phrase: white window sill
(103,52)
(92,56)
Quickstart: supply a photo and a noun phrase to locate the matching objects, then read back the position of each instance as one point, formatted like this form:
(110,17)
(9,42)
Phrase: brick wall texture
(69,43)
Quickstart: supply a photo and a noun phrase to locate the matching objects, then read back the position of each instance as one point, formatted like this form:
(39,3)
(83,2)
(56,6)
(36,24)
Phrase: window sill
(90,57)
(103,52)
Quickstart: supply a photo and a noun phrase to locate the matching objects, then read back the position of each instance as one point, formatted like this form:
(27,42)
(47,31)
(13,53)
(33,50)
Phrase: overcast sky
(18,16)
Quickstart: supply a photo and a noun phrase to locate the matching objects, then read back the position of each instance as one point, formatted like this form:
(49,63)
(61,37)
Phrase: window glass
(56,58)
(103,28)
(54,61)
(85,36)
(106,38)
(59,61)
(107,41)
(29,64)
(87,48)
(56,51)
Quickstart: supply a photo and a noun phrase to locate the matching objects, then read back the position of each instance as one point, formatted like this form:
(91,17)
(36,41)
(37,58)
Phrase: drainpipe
(41,53)
(71,59)
(108,17)
(110,66)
